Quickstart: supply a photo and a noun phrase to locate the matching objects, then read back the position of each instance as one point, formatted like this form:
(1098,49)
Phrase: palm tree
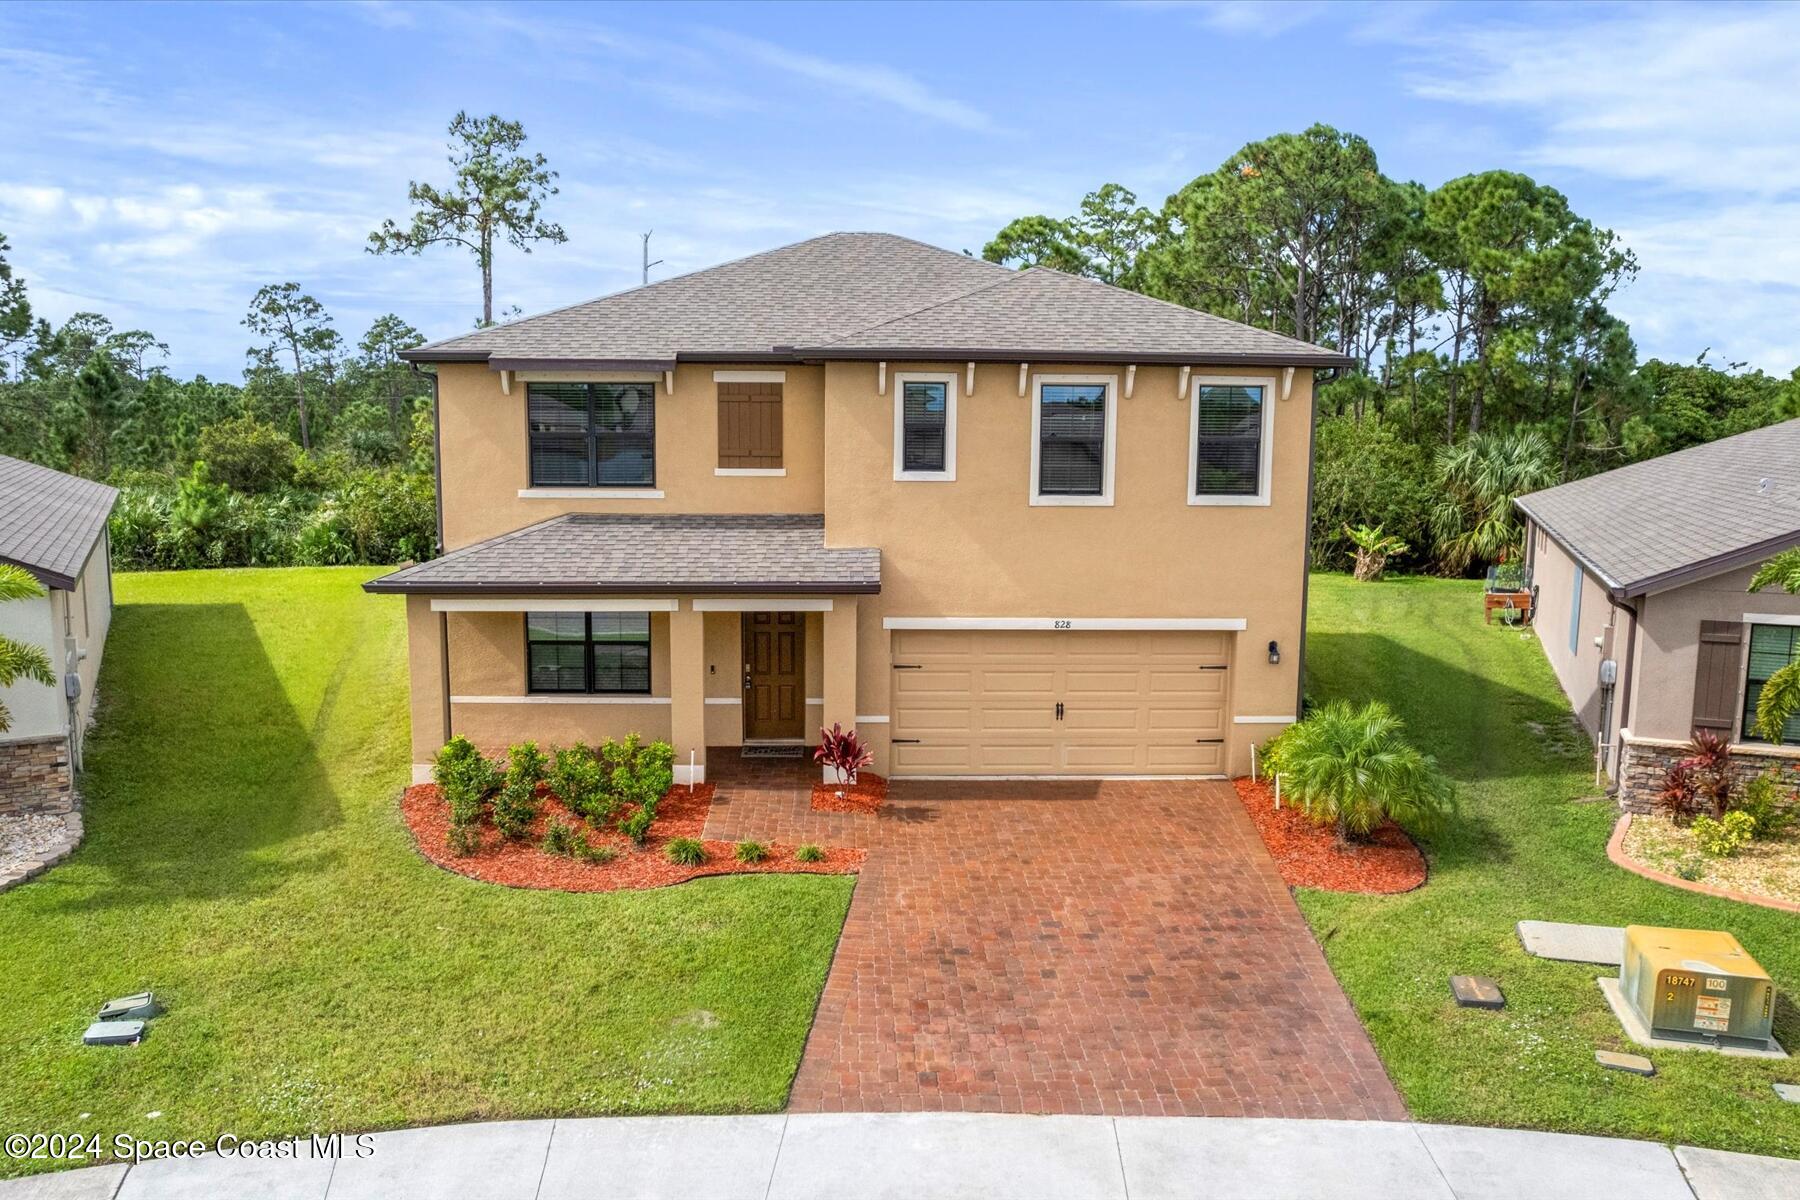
(1351,767)
(1780,698)
(17,659)
(1481,477)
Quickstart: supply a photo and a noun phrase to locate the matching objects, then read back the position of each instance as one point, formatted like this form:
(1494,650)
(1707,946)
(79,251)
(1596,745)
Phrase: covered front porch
(698,630)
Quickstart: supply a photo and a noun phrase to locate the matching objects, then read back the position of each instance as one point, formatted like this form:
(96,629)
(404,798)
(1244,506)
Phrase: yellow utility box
(1697,985)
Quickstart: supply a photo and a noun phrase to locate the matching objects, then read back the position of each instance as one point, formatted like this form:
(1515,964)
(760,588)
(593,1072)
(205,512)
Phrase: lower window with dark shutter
(1716,677)
(1772,647)
(1072,439)
(601,653)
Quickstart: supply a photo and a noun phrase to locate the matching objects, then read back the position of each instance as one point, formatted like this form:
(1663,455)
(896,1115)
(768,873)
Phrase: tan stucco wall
(977,547)
(971,548)
(1662,704)
(38,711)
(71,627)
(1578,671)
(483,443)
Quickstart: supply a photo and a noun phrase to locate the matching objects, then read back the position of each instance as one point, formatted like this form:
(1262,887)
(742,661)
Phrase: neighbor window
(1772,647)
(924,427)
(592,434)
(588,652)
(1073,420)
(1228,443)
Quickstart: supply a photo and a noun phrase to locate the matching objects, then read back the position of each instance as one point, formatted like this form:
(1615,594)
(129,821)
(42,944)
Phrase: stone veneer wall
(34,776)
(1645,764)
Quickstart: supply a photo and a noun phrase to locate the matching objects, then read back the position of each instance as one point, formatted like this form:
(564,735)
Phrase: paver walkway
(936,1156)
(1123,948)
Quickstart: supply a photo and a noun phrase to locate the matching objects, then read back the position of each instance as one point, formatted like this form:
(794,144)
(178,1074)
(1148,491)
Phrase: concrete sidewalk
(927,1155)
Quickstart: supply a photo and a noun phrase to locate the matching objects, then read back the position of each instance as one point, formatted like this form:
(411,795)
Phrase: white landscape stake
(691,770)
(1253,774)
(1278,791)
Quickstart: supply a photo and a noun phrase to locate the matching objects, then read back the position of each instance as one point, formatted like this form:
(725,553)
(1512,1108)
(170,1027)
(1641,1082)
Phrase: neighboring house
(54,526)
(1002,522)
(1646,567)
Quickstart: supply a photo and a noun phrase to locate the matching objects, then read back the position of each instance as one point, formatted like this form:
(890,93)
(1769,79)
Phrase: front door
(774,675)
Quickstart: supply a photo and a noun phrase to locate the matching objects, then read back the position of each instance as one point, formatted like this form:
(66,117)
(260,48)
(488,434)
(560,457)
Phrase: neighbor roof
(858,295)
(600,554)
(1684,516)
(50,521)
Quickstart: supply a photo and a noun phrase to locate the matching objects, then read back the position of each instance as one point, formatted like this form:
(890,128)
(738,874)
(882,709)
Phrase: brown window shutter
(750,425)
(1716,677)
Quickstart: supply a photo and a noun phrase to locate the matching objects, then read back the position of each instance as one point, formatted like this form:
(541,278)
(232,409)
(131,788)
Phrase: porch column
(840,663)
(687,692)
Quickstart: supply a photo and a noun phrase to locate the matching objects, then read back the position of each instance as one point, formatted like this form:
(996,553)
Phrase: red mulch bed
(1309,854)
(865,796)
(522,865)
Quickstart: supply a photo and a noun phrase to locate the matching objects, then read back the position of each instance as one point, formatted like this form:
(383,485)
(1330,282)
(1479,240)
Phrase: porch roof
(585,554)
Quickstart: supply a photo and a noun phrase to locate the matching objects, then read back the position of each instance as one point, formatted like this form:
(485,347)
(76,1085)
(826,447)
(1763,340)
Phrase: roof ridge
(1211,316)
(1011,277)
(718,266)
(1663,459)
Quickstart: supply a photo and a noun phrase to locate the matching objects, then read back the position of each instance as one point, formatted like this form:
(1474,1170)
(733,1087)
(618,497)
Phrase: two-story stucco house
(1001,522)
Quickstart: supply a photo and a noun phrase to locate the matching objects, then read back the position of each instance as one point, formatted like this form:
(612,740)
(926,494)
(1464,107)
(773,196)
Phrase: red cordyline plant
(1701,782)
(842,749)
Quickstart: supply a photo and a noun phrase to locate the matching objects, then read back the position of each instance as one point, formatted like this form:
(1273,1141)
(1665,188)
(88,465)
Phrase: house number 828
(1062,624)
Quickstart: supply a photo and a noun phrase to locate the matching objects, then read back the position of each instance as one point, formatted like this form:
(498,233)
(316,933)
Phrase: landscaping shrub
(595,854)
(526,763)
(562,839)
(456,752)
(1702,782)
(1762,799)
(637,774)
(1724,836)
(466,780)
(809,853)
(1350,767)
(843,750)
(515,808)
(751,852)
(574,776)
(686,852)
(636,824)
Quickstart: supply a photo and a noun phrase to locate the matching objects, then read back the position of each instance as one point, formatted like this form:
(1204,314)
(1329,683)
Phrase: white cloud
(867,81)
(1245,18)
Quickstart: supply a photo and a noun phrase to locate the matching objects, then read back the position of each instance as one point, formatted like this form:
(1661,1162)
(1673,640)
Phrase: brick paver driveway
(1064,947)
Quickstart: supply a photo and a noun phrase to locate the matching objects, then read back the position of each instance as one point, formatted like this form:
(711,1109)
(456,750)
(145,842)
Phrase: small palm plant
(1350,767)
(1373,549)
(20,660)
(1779,700)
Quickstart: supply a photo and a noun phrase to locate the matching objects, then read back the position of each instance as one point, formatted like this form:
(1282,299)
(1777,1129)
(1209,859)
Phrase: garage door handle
(1209,741)
(903,741)
(1220,667)
(1059,710)
(909,666)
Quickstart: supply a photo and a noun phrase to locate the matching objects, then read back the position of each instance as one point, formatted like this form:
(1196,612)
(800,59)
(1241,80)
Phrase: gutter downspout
(1312,458)
(437,466)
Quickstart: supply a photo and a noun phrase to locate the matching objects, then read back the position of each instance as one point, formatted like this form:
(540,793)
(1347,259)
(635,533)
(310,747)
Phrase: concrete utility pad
(1639,1032)
(1603,944)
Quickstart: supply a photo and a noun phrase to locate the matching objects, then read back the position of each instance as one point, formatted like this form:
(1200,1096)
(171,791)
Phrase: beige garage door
(968,702)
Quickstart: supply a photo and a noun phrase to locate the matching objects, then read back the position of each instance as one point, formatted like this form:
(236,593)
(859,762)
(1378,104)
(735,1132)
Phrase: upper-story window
(1073,422)
(592,434)
(924,427)
(1229,442)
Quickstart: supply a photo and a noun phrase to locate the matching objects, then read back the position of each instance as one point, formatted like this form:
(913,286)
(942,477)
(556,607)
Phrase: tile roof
(1683,516)
(602,554)
(851,294)
(50,521)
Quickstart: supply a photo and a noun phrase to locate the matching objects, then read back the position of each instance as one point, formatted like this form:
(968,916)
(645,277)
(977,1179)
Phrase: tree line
(1487,361)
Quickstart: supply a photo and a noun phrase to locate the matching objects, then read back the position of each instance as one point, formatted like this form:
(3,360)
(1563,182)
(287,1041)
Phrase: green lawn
(245,858)
(1532,845)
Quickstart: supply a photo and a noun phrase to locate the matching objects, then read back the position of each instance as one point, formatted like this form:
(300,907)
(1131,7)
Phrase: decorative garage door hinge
(903,741)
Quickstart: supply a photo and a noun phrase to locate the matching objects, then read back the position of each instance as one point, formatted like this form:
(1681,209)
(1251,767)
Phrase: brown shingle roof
(1683,516)
(603,554)
(859,295)
(50,521)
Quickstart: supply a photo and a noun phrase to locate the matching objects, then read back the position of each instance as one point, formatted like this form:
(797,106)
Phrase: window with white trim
(1073,422)
(924,427)
(1229,423)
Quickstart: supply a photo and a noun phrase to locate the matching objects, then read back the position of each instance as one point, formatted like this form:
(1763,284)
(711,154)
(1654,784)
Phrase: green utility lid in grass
(1788,1091)
(113,1033)
(141,1006)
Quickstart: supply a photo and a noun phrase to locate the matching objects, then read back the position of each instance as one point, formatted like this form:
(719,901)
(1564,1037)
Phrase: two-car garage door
(1074,702)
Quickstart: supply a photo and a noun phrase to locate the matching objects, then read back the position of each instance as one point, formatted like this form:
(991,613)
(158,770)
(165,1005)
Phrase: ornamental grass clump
(1350,767)
(686,852)
(751,852)
(809,853)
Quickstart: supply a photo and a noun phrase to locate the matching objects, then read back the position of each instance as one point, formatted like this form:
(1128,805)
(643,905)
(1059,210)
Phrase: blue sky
(159,163)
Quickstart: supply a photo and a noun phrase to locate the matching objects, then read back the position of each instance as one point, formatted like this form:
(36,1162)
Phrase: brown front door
(774,675)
